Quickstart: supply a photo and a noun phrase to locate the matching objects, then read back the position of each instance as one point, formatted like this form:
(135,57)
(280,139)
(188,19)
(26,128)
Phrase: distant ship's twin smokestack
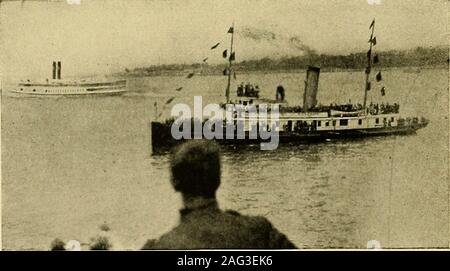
(56,70)
(58,74)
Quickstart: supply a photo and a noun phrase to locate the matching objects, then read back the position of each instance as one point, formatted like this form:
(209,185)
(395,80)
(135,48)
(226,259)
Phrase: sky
(104,36)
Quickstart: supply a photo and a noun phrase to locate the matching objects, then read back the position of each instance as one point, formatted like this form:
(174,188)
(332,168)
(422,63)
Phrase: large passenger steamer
(312,122)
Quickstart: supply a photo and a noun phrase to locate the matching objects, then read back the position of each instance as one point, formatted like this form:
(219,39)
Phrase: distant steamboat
(56,86)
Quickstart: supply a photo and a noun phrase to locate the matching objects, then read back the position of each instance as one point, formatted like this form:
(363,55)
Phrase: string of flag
(375,60)
(232,57)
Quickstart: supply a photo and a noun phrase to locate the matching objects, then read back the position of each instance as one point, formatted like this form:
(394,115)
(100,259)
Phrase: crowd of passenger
(248,90)
(372,108)
(383,108)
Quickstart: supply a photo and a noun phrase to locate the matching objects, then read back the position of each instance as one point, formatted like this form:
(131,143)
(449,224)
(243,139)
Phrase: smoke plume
(291,44)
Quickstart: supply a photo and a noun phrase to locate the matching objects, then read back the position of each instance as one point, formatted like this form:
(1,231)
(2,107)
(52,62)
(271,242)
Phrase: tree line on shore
(418,57)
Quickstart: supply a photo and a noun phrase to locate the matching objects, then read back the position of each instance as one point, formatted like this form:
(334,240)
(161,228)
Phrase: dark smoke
(296,43)
(257,34)
(262,35)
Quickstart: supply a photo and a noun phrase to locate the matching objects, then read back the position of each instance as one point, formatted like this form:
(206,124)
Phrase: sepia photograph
(238,124)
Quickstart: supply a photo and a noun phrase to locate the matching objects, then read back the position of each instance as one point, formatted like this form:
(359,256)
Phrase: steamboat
(57,86)
(310,122)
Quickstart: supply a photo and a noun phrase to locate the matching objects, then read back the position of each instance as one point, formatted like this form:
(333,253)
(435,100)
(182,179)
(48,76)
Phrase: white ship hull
(57,88)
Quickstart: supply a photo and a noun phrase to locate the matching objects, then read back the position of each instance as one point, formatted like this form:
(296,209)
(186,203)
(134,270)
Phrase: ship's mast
(230,60)
(369,67)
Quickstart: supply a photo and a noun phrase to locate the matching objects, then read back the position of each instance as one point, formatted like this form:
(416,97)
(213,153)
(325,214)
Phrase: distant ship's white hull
(111,88)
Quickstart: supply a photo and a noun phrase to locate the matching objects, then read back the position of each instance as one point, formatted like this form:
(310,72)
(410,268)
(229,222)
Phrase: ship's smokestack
(54,70)
(311,86)
(59,70)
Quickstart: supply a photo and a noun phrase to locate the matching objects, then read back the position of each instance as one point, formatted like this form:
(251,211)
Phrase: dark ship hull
(311,122)
(163,141)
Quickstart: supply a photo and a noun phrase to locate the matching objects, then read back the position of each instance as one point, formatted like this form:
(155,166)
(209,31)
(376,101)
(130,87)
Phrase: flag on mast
(231,30)
(170,100)
(372,24)
(376,59)
(232,56)
(215,46)
(378,77)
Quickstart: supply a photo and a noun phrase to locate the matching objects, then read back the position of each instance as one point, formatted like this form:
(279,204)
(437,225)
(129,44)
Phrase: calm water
(71,164)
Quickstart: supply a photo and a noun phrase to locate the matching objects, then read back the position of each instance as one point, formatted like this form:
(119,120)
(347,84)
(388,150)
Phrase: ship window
(289,125)
(334,123)
(343,122)
(392,119)
(377,120)
(359,122)
(384,119)
(21,88)
(327,123)
(319,123)
(34,90)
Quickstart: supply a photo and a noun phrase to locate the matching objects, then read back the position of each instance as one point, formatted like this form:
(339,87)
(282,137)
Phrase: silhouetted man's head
(196,168)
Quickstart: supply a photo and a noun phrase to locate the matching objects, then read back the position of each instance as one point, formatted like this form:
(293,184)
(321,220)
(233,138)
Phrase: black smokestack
(54,70)
(59,69)
(311,86)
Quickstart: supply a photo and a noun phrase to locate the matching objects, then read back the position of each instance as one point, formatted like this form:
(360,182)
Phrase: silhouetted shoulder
(262,227)
(203,229)
(274,239)
(150,244)
(177,238)
(233,212)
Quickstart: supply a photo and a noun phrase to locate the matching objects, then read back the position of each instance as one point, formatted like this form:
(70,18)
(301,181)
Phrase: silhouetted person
(280,93)
(196,173)
(240,90)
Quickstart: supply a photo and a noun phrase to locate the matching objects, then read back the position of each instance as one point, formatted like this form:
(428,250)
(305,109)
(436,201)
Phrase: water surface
(71,164)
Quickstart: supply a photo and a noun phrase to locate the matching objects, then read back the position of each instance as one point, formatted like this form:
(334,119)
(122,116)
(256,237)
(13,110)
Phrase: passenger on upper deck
(279,96)
(240,89)
(375,109)
(247,88)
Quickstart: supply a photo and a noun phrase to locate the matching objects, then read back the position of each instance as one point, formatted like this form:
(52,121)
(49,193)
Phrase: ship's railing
(377,109)
(72,84)
(248,90)
(411,121)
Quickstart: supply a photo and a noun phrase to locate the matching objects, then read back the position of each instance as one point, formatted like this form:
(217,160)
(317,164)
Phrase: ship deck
(162,139)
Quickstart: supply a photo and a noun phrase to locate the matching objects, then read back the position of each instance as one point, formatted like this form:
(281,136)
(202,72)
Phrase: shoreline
(183,73)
